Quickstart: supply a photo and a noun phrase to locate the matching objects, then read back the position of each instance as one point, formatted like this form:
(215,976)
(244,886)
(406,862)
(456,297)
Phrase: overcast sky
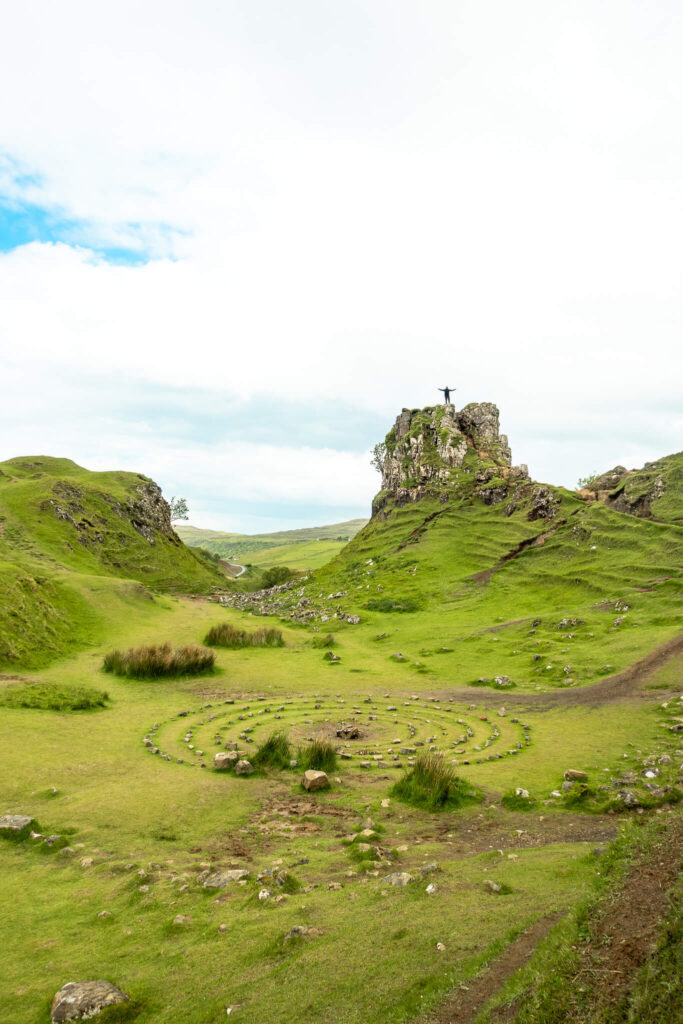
(237,237)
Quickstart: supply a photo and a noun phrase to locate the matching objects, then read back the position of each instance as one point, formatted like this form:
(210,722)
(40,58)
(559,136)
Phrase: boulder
(81,1000)
(12,825)
(244,768)
(313,780)
(224,760)
(221,879)
(574,775)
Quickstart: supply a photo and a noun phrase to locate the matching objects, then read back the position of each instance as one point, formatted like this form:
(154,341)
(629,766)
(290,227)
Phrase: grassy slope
(597,558)
(47,564)
(307,548)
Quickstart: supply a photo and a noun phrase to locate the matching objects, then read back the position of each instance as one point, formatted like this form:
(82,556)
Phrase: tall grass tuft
(319,755)
(432,785)
(160,660)
(226,635)
(274,753)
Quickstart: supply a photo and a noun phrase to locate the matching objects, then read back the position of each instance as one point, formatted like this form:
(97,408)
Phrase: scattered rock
(492,886)
(574,775)
(182,919)
(78,1000)
(244,768)
(313,780)
(440,947)
(399,878)
(221,879)
(224,760)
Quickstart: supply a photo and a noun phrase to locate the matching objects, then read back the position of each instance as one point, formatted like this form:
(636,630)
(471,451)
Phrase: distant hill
(62,525)
(306,548)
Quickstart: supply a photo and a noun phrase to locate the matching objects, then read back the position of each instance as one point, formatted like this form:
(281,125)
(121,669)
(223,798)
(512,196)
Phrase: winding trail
(618,687)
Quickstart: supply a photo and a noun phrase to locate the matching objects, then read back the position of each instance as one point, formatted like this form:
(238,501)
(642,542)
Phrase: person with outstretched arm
(447,394)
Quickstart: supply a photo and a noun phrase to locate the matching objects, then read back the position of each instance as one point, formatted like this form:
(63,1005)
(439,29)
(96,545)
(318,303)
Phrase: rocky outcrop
(146,510)
(433,448)
(652,492)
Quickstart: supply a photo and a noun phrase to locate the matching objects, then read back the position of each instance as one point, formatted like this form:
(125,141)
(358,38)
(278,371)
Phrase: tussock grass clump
(514,802)
(274,753)
(432,785)
(160,660)
(324,642)
(226,635)
(392,604)
(319,755)
(49,697)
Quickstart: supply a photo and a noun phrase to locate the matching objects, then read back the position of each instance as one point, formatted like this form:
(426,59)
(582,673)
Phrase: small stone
(574,775)
(399,878)
(182,919)
(244,768)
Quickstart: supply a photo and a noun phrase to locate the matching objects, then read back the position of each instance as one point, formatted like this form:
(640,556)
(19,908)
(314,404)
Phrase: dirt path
(464,1003)
(623,685)
(624,935)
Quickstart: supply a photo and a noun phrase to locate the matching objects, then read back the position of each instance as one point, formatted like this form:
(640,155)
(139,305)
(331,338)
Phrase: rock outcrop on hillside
(652,492)
(432,448)
(146,510)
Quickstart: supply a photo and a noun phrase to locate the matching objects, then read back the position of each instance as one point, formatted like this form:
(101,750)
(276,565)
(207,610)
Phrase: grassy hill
(307,548)
(63,529)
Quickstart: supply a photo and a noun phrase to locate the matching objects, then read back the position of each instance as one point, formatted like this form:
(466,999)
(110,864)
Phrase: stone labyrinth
(368,733)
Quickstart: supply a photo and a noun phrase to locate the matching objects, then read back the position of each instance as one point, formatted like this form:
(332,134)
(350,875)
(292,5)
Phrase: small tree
(178,508)
(378,455)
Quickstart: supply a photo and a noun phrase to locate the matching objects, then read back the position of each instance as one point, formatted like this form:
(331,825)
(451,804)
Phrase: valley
(525,637)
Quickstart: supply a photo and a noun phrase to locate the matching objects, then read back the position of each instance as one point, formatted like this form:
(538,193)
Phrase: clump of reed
(159,660)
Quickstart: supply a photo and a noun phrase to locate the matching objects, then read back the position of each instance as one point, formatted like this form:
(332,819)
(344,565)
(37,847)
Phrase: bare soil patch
(465,1002)
(624,685)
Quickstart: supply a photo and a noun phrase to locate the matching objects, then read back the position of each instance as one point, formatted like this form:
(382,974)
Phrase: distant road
(228,566)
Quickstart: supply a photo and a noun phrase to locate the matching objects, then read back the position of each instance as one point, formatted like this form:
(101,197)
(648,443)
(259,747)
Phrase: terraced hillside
(516,640)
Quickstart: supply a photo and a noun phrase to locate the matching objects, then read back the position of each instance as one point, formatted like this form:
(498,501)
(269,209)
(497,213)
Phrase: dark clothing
(447,394)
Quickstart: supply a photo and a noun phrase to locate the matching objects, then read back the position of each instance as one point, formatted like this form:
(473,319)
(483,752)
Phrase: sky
(237,237)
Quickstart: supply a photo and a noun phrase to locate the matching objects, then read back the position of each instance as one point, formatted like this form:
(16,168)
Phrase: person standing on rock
(447,394)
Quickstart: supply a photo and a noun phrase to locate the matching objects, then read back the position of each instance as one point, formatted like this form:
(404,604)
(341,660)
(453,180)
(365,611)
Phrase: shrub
(432,784)
(274,753)
(160,660)
(47,697)
(392,604)
(276,575)
(319,755)
(226,635)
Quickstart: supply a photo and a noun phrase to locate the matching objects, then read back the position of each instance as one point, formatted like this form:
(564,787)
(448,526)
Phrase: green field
(307,548)
(449,597)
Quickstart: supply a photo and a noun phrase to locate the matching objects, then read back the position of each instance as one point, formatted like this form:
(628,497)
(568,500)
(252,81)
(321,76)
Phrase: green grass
(46,697)
(226,635)
(432,785)
(158,661)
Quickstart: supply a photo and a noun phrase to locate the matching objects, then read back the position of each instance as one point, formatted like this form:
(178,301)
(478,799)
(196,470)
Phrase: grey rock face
(81,1000)
(426,445)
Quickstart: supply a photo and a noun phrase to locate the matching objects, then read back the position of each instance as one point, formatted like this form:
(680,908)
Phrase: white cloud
(361,201)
